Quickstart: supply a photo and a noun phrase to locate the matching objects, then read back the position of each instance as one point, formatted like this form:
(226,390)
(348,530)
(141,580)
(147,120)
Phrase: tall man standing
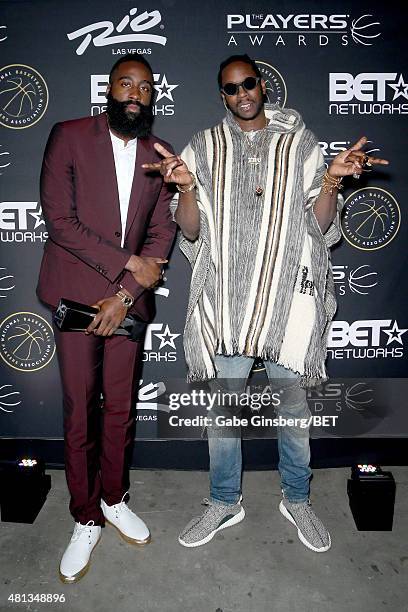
(110,231)
(258,212)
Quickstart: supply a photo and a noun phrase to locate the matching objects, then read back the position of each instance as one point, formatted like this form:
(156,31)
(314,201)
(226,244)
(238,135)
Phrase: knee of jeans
(292,399)
(223,432)
(299,410)
(227,385)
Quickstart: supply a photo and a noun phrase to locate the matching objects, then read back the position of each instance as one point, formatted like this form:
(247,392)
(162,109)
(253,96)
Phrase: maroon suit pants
(100,379)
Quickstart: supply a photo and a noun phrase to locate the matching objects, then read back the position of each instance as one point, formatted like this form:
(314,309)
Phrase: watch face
(128,301)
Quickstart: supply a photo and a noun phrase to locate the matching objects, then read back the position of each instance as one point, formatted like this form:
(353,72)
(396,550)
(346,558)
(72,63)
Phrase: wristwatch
(125,299)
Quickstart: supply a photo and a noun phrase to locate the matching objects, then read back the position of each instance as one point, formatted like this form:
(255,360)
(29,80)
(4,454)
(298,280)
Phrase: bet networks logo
(164,102)
(355,280)
(19,222)
(368,93)
(132,28)
(367,339)
(301,30)
(158,351)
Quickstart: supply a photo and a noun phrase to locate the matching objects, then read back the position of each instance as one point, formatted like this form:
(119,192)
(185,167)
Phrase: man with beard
(110,232)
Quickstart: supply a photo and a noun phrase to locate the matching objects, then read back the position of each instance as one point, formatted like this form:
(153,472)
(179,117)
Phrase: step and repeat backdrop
(340,64)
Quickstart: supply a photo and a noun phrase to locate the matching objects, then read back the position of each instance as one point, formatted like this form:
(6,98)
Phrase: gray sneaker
(216,516)
(311,531)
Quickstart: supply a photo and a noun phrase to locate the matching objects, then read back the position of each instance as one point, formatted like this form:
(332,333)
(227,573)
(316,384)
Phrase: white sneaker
(130,526)
(76,559)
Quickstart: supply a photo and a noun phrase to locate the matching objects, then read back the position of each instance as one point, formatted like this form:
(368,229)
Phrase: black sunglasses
(231,89)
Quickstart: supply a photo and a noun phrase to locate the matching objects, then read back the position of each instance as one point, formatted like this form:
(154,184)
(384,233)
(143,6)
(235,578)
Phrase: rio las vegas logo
(133,27)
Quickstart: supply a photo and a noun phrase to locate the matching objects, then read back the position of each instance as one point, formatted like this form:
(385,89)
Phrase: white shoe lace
(122,507)
(80,529)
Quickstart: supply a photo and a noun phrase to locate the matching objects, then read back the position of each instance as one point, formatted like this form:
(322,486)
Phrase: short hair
(130,57)
(245,59)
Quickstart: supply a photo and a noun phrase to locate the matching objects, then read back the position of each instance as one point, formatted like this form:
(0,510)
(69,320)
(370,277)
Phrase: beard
(127,123)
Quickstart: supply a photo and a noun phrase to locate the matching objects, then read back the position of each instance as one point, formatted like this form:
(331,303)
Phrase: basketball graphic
(358,397)
(26,341)
(363,30)
(23,96)
(6,283)
(275,84)
(8,398)
(371,218)
(21,99)
(360,279)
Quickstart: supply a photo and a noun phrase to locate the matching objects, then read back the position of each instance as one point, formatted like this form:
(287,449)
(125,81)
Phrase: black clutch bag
(73,316)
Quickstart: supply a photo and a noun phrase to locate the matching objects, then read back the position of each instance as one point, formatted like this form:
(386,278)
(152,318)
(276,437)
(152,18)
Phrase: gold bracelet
(330,183)
(190,187)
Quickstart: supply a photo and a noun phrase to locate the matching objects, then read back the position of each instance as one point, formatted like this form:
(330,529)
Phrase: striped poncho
(261,280)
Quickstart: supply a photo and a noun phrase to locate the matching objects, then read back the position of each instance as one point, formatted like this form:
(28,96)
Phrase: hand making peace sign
(353,161)
(172,167)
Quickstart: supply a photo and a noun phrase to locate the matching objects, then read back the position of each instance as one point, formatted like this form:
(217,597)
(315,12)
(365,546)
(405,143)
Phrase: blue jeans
(225,443)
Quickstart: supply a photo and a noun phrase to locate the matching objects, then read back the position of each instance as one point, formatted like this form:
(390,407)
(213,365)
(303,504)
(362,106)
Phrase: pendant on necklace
(259,191)
(254,160)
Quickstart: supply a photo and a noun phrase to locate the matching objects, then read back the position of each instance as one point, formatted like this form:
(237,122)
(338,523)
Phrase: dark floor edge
(257,454)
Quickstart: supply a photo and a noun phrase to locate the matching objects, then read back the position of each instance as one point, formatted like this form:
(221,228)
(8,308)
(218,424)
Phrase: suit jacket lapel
(105,163)
(143,156)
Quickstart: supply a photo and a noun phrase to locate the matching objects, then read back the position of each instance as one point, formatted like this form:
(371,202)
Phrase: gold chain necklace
(252,160)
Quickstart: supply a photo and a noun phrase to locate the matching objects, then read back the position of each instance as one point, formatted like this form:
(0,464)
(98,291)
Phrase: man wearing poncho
(258,212)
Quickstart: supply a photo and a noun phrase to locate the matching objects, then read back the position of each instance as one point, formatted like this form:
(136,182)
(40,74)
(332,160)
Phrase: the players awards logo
(132,28)
(371,219)
(301,29)
(275,84)
(26,342)
(363,30)
(360,280)
(23,96)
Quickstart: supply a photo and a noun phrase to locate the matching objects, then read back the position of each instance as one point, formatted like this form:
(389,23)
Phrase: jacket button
(117,234)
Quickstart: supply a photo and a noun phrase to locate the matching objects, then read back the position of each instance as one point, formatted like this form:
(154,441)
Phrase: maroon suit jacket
(83,259)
